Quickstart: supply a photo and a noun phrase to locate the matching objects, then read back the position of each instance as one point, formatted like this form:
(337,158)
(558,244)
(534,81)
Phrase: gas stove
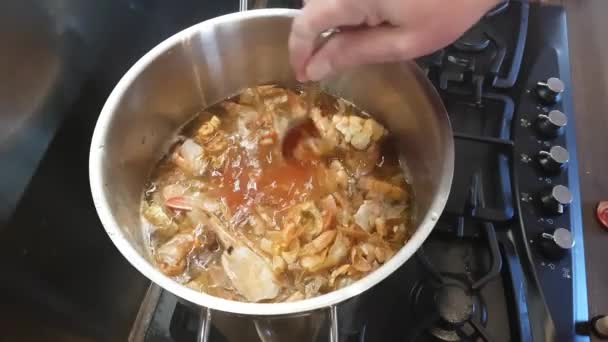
(505,262)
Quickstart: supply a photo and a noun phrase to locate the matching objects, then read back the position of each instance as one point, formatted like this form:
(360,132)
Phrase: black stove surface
(495,268)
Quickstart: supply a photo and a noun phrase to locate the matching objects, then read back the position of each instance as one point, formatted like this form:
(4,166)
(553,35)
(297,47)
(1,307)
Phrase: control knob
(553,160)
(554,245)
(556,199)
(550,92)
(552,124)
(597,326)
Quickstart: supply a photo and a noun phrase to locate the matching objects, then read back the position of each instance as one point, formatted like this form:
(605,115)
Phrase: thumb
(364,46)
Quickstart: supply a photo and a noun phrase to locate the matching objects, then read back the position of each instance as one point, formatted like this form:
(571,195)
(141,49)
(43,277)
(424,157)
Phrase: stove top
(505,262)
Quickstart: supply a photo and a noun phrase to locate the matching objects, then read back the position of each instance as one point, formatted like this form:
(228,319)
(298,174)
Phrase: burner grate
(459,311)
(483,56)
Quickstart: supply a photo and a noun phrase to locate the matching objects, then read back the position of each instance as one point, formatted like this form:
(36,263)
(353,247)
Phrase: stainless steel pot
(216,59)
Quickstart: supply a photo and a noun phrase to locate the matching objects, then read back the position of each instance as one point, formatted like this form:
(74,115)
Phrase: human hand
(376,31)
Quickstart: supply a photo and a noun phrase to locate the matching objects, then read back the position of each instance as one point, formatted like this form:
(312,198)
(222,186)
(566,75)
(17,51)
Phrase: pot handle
(205,325)
(206,317)
(333,324)
(299,328)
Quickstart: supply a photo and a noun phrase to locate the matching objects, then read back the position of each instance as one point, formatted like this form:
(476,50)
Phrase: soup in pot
(227,215)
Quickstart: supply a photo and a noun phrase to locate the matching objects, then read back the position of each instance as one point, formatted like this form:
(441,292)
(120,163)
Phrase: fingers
(419,27)
(364,46)
(316,17)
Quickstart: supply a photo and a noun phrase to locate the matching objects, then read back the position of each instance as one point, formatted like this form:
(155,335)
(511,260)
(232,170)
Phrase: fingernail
(318,70)
(301,77)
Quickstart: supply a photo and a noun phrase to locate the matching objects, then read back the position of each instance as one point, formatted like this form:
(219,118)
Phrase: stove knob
(553,160)
(600,326)
(554,245)
(556,200)
(597,326)
(551,125)
(550,92)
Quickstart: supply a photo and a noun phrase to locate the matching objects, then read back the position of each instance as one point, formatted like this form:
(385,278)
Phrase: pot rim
(111,226)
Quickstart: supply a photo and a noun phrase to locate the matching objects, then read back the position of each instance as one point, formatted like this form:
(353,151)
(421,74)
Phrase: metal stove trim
(579,274)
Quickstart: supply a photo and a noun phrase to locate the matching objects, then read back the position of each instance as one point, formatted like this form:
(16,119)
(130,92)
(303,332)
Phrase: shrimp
(208,128)
(387,189)
(319,244)
(307,216)
(171,257)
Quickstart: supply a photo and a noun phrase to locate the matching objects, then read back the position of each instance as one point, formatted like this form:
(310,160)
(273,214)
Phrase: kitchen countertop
(587,28)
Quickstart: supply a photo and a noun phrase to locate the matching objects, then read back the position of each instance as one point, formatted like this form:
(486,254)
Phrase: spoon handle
(312,90)
(321,40)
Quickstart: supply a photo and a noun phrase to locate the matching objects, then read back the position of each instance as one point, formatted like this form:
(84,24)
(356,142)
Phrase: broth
(227,215)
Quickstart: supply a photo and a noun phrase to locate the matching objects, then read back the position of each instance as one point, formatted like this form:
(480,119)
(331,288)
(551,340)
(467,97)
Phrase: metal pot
(215,59)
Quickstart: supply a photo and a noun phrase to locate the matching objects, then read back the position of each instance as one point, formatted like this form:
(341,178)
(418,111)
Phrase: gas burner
(474,40)
(455,305)
(458,311)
